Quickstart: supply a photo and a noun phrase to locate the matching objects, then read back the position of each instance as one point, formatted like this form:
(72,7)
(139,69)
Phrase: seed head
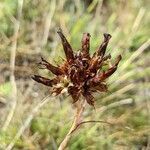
(80,74)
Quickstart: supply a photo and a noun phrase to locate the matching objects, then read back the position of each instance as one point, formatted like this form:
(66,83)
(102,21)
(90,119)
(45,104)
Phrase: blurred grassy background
(28,31)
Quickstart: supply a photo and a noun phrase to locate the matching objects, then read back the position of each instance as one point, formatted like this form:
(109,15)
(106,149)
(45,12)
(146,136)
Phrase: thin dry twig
(138,19)
(128,101)
(12,66)
(137,53)
(48,23)
(123,102)
(27,122)
(79,110)
(119,92)
(91,121)
(78,122)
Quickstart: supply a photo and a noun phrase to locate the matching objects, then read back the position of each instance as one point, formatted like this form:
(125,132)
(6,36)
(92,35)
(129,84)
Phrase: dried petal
(74,74)
(118,60)
(57,90)
(93,82)
(46,65)
(95,64)
(44,80)
(102,49)
(67,47)
(89,98)
(85,44)
(107,57)
(101,87)
(74,92)
(111,70)
(64,67)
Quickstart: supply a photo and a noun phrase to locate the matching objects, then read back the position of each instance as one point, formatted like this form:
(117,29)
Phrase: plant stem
(77,119)
(12,66)
(27,122)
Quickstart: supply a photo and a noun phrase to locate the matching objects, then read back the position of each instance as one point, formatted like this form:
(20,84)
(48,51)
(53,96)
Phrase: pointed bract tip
(107,36)
(86,34)
(119,57)
(118,60)
(59,30)
(42,58)
(60,33)
(34,77)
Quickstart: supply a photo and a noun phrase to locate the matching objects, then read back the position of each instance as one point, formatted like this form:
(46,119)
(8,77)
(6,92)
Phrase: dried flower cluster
(80,74)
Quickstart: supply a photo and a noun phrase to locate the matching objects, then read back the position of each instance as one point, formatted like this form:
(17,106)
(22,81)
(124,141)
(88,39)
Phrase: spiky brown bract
(80,74)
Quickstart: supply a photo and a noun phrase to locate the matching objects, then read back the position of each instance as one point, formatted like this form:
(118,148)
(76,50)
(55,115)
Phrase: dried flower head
(80,74)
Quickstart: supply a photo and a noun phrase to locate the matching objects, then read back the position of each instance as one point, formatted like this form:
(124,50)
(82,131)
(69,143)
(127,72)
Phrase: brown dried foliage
(80,74)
